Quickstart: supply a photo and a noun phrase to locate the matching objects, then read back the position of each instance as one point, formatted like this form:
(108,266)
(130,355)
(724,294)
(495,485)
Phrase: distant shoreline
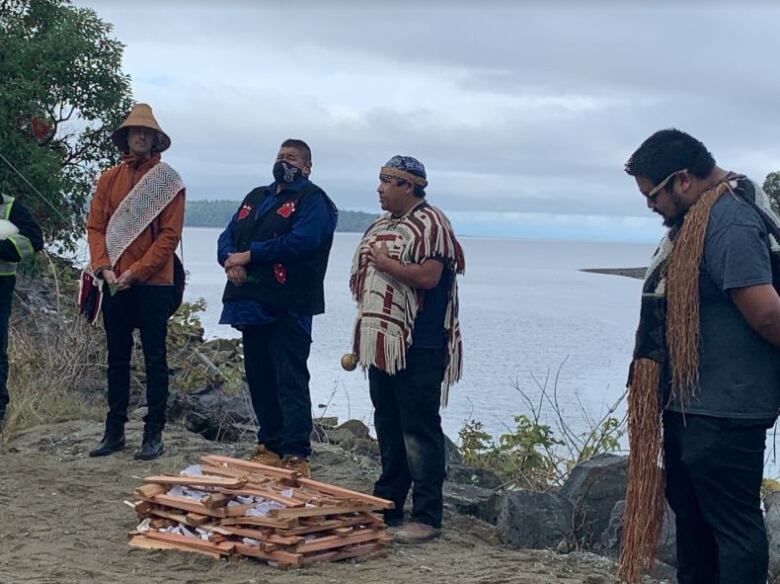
(207,213)
(638,273)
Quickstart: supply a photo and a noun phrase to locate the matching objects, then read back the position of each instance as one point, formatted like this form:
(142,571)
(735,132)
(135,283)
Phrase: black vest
(296,285)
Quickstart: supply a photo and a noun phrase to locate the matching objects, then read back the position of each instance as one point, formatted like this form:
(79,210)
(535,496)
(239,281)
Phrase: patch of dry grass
(55,360)
(58,361)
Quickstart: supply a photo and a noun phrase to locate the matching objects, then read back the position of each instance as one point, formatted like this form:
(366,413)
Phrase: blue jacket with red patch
(289,235)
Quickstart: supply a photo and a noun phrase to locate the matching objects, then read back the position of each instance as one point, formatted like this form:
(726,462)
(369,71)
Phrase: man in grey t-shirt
(714,425)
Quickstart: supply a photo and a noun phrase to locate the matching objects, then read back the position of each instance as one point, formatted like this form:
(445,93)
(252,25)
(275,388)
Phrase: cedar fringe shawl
(645,504)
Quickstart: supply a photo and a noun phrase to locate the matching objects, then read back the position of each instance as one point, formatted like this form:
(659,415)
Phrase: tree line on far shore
(219,213)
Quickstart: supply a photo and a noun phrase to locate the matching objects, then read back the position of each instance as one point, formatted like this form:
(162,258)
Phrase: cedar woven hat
(141,116)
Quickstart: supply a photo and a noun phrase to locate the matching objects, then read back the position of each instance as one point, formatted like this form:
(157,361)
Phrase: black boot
(151,447)
(113,441)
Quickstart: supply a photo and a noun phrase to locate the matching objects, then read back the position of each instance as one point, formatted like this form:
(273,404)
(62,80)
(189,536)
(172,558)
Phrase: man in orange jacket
(134,226)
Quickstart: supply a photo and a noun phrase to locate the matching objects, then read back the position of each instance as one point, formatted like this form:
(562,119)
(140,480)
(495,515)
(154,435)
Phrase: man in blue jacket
(22,239)
(275,253)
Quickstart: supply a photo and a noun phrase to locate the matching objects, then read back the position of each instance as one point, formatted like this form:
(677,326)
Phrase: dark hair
(419,191)
(300,146)
(667,151)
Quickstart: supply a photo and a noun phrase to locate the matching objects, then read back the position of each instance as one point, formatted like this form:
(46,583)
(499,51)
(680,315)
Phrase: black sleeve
(27,226)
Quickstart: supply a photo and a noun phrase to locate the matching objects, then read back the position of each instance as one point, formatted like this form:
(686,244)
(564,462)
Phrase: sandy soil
(62,521)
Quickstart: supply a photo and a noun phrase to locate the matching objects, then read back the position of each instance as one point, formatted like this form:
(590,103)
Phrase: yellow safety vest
(19,241)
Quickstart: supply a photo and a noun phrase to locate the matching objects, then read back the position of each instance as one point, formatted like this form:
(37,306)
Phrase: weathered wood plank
(318,511)
(341,492)
(198,481)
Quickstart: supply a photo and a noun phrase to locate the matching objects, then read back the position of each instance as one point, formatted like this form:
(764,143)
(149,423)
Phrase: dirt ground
(62,521)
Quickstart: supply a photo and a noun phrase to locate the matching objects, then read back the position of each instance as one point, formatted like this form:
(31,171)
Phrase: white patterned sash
(147,199)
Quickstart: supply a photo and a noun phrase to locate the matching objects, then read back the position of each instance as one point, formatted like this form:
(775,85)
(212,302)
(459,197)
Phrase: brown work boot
(264,456)
(414,532)
(298,464)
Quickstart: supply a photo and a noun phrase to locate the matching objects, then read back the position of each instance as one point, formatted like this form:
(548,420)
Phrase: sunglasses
(657,188)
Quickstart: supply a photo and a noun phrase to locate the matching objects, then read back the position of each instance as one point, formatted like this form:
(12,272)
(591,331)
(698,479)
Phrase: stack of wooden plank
(226,507)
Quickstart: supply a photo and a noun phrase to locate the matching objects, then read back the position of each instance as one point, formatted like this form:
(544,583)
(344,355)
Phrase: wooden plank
(374,518)
(254,480)
(216,500)
(346,493)
(195,506)
(258,534)
(143,542)
(177,517)
(265,494)
(262,469)
(200,481)
(149,491)
(221,471)
(223,548)
(335,541)
(327,525)
(197,519)
(352,552)
(184,504)
(236,510)
(288,540)
(260,521)
(160,523)
(317,511)
(285,559)
(143,508)
(314,528)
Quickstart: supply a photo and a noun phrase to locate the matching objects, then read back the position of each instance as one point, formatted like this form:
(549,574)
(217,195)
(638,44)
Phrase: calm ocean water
(526,309)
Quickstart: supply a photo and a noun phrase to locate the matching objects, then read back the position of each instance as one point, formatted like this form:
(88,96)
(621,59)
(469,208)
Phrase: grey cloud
(551,97)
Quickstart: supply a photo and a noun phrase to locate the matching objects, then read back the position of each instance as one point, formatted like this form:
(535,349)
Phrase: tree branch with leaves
(63,92)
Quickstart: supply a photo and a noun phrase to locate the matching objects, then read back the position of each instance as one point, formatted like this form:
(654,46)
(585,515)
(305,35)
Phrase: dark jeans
(411,441)
(275,361)
(714,468)
(145,308)
(6,295)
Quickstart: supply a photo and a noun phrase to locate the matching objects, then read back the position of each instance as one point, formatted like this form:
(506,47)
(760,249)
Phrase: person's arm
(760,306)
(28,241)
(736,256)
(225,245)
(423,276)
(171,223)
(97,222)
(237,274)
(316,221)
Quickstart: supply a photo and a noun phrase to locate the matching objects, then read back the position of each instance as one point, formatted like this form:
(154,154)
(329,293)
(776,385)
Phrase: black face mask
(286,173)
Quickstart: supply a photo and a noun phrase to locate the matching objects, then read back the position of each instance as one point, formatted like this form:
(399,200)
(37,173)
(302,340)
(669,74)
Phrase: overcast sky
(523,112)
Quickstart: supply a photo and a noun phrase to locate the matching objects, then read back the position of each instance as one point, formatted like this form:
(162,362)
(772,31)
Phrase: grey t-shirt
(739,372)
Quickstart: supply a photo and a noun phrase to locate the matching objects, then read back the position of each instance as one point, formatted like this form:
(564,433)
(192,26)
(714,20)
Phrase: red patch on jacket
(287,209)
(280,273)
(244,212)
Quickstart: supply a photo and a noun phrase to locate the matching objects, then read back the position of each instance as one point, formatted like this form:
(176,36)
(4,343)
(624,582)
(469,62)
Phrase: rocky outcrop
(533,520)
(212,414)
(594,487)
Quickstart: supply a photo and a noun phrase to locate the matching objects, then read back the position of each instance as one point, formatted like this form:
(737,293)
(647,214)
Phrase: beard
(677,216)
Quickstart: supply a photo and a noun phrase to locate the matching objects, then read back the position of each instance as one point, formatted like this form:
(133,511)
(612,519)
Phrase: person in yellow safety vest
(20,237)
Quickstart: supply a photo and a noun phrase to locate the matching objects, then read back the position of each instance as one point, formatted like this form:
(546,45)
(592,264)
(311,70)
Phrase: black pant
(411,441)
(145,308)
(6,295)
(714,468)
(275,361)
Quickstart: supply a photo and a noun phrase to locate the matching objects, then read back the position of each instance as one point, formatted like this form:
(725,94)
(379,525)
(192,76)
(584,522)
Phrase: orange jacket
(150,256)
